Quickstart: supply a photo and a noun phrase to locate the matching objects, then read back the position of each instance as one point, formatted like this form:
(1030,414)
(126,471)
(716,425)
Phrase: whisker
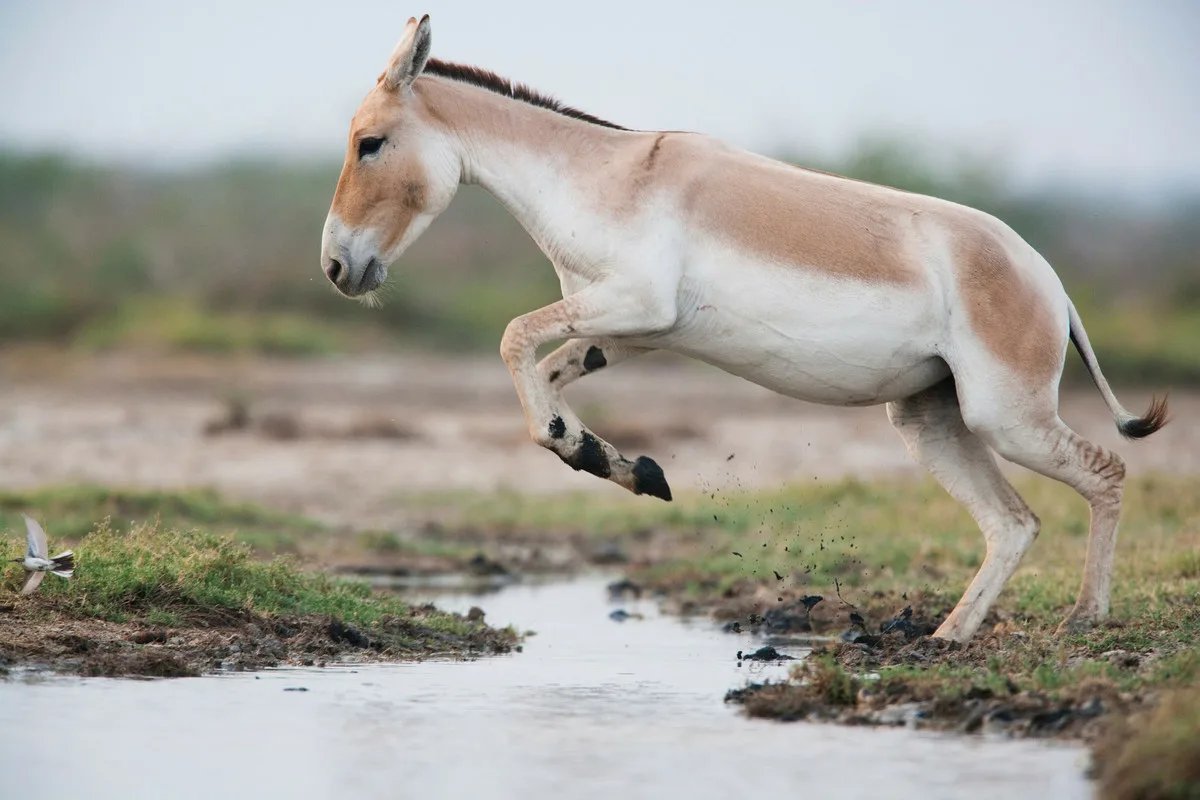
(370,299)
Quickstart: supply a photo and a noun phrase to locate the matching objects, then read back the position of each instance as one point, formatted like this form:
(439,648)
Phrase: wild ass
(819,287)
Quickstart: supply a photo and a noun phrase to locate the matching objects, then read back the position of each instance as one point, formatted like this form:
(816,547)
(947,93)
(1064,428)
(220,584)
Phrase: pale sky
(1091,92)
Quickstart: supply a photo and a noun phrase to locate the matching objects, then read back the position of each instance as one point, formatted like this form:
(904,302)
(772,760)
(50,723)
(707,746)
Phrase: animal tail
(64,564)
(1131,426)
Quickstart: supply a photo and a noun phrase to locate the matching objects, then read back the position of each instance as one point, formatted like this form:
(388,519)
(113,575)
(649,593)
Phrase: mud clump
(766,653)
(482,566)
(342,633)
(624,588)
(149,663)
(36,639)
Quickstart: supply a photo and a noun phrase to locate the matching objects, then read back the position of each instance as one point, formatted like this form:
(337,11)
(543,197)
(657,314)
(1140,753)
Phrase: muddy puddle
(593,708)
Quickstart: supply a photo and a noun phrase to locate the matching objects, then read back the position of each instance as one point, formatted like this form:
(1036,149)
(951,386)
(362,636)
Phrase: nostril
(334,270)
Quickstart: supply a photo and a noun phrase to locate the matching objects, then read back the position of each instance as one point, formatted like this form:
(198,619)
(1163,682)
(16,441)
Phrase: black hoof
(648,479)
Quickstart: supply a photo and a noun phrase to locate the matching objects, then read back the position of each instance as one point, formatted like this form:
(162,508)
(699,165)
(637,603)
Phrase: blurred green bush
(224,259)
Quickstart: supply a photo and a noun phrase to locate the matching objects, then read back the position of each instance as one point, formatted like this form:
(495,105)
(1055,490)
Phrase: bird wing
(32,582)
(36,538)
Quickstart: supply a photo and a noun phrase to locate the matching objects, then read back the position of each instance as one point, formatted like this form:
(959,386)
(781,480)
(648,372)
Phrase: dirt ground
(35,637)
(345,439)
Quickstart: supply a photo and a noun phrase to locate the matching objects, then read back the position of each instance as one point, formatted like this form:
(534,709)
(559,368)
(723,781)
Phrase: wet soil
(34,638)
(1083,712)
(940,685)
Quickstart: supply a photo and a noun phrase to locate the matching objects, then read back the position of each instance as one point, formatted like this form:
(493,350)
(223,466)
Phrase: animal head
(400,171)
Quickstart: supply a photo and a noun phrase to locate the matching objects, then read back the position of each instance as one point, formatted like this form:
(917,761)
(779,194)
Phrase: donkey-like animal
(819,287)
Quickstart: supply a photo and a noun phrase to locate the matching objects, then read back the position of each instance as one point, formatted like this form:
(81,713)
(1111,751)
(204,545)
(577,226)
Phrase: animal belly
(832,342)
(831,379)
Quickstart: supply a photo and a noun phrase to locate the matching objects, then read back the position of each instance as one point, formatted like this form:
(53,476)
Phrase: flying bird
(36,561)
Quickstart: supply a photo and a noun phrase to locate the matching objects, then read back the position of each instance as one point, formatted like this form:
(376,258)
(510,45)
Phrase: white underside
(805,334)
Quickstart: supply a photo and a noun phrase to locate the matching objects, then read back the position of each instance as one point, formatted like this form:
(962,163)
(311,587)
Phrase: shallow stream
(592,708)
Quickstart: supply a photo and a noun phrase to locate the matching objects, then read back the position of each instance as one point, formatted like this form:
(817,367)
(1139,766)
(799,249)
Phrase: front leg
(580,357)
(586,318)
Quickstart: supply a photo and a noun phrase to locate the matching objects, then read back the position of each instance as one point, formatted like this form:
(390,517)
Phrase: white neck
(535,161)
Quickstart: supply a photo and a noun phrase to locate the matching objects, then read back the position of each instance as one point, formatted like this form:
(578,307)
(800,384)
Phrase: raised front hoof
(1077,622)
(648,479)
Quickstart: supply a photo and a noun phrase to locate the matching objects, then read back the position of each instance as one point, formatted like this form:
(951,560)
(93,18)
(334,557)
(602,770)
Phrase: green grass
(891,543)
(171,577)
(70,512)
(169,324)
(880,536)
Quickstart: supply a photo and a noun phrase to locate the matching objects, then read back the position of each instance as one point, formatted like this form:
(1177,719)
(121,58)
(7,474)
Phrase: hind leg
(933,429)
(1027,432)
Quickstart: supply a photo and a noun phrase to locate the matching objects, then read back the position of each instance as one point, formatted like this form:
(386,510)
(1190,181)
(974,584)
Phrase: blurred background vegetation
(224,259)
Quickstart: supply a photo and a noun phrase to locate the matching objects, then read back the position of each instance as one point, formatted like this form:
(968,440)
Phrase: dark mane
(486,79)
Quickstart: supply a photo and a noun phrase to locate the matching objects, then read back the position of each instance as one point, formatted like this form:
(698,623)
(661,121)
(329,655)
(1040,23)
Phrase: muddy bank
(841,683)
(169,602)
(32,638)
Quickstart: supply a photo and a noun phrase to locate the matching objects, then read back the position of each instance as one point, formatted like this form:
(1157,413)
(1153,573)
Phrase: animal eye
(369,145)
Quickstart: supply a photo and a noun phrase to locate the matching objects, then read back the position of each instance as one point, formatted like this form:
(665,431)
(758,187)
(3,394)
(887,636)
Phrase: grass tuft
(1154,755)
(167,577)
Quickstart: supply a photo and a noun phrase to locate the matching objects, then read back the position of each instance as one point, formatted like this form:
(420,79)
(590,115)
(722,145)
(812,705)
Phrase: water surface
(591,709)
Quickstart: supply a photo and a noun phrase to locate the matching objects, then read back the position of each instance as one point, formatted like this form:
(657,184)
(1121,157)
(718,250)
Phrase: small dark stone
(860,636)
(484,566)
(624,587)
(648,479)
(558,428)
(766,653)
(594,359)
(1051,721)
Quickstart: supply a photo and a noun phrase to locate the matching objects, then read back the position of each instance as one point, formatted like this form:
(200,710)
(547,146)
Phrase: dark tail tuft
(1141,427)
(65,562)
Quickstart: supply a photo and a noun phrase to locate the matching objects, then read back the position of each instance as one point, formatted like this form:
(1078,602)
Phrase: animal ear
(409,57)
